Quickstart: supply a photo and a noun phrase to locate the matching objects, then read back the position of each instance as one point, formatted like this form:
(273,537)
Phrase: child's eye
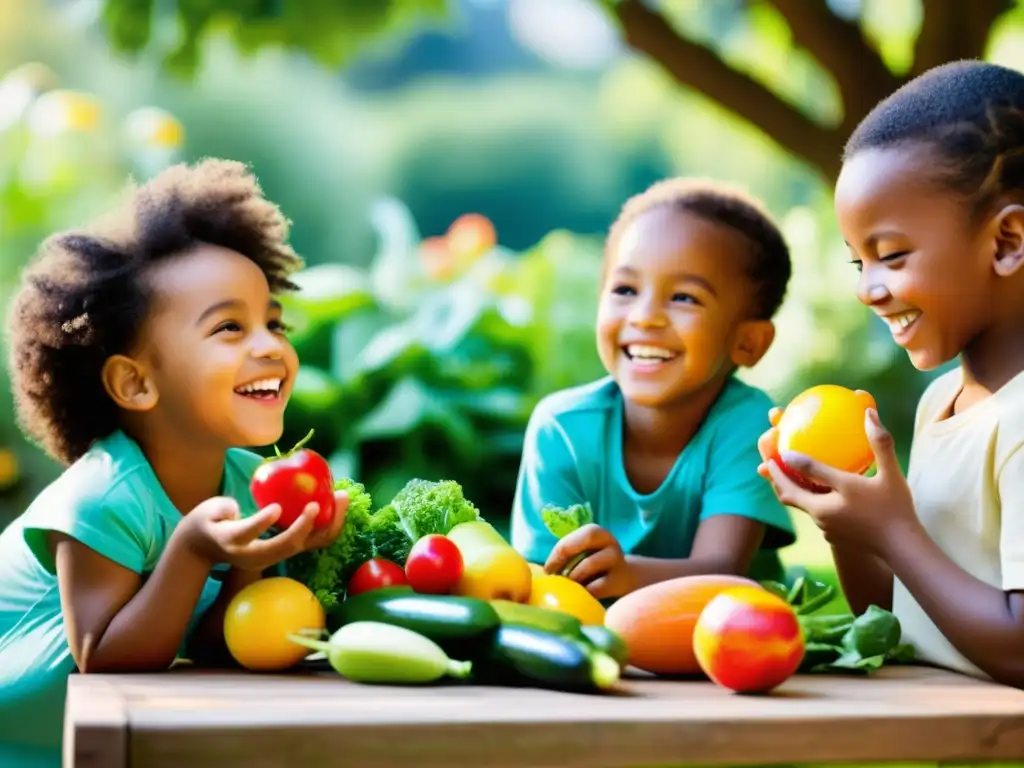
(279,326)
(228,327)
(623,290)
(858,264)
(686,298)
(894,256)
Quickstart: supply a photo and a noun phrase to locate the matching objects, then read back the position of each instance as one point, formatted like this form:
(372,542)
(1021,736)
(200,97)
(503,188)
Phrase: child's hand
(604,571)
(859,511)
(216,532)
(769,440)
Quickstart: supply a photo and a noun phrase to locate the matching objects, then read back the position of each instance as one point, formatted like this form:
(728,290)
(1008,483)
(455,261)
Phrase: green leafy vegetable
(562,521)
(842,642)
(426,506)
(326,571)
(420,508)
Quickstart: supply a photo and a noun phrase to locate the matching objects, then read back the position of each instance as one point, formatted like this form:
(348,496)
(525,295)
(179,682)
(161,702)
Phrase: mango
(826,423)
(748,640)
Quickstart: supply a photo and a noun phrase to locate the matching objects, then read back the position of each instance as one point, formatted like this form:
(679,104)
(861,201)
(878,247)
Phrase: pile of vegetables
(423,588)
(421,508)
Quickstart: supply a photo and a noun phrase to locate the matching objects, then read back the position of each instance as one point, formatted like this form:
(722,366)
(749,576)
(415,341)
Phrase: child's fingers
(789,493)
(588,538)
(254,526)
(774,415)
(597,564)
(768,443)
(601,588)
(290,541)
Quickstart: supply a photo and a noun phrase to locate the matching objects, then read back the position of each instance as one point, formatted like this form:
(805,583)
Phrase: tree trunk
(951,29)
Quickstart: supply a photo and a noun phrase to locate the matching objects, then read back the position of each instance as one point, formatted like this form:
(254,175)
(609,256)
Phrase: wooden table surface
(188,717)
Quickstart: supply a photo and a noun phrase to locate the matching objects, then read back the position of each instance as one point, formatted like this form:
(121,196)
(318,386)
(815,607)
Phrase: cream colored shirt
(967,477)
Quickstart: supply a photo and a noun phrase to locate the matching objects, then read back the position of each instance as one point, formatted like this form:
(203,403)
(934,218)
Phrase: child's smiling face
(675,306)
(215,351)
(926,270)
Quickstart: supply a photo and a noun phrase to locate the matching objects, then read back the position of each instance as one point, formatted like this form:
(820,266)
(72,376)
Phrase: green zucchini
(528,656)
(461,626)
(604,639)
(522,615)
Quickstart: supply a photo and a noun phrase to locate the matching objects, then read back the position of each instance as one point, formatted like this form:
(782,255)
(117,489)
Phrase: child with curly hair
(930,201)
(664,449)
(146,353)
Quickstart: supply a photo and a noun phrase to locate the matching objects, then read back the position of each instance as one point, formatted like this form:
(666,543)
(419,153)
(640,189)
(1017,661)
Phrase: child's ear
(128,384)
(752,341)
(1009,234)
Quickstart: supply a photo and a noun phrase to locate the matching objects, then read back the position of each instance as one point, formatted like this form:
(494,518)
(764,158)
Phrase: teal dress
(111,501)
(573,454)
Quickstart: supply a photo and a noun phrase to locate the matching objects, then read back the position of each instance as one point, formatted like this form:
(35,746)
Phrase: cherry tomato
(434,565)
(374,574)
(294,480)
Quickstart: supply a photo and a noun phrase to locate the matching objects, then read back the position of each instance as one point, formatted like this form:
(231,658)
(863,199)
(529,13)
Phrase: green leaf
(874,633)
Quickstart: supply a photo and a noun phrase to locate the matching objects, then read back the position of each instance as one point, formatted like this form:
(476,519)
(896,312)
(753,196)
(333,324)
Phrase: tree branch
(841,48)
(955,29)
(700,68)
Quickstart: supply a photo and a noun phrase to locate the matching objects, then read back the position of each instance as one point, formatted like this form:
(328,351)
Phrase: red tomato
(434,565)
(293,480)
(374,574)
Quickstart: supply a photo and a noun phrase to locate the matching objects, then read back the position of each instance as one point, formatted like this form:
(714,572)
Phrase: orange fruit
(260,618)
(826,423)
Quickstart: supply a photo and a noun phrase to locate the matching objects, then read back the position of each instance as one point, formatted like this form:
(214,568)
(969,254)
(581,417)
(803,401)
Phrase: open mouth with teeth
(648,356)
(900,323)
(264,389)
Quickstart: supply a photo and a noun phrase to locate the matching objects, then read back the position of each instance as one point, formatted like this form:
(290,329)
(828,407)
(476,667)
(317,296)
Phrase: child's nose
(871,290)
(267,344)
(647,314)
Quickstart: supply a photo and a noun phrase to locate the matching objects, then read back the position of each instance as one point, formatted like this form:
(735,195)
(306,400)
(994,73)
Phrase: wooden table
(310,720)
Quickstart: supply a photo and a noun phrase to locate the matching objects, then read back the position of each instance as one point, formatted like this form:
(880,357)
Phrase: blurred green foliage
(403,374)
(329,31)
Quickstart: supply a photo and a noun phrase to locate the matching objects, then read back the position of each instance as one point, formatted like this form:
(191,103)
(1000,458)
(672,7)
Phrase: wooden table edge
(95,724)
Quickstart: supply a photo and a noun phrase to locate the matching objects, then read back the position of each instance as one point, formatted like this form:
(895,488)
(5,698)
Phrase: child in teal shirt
(665,448)
(144,352)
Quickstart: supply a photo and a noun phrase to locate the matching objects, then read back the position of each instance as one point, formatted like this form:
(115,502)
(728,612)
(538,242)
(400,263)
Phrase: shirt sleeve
(116,526)
(1011,533)
(547,475)
(733,486)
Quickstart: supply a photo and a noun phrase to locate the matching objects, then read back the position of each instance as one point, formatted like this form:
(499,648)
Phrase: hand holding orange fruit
(825,423)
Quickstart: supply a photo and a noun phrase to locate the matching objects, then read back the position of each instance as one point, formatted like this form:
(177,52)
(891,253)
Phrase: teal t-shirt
(111,501)
(573,454)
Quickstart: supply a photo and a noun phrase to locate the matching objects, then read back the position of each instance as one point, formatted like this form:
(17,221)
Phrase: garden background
(377,124)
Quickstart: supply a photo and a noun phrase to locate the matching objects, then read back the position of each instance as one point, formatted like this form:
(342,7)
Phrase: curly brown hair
(84,296)
(769,266)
